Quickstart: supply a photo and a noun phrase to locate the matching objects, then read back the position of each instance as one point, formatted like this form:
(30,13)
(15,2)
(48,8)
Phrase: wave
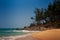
(14,30)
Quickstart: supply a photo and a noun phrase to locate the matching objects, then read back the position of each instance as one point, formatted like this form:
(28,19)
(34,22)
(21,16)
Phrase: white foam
(18,36)
(13,37)
(29,31)
(24,31)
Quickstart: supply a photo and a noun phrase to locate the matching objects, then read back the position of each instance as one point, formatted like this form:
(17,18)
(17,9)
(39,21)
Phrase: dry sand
(53,34)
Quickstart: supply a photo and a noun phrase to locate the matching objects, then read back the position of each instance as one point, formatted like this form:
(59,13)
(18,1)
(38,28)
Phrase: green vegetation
(50,14)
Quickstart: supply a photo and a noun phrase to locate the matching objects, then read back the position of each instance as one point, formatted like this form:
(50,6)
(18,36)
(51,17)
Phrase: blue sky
(17,13)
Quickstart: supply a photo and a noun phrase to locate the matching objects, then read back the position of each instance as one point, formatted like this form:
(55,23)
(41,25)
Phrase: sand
(27,38)
(53,34)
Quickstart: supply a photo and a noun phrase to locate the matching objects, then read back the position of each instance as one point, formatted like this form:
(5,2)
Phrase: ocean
(11,32)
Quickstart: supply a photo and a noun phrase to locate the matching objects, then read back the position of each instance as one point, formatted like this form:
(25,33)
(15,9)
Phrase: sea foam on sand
(18,36)
(13,37)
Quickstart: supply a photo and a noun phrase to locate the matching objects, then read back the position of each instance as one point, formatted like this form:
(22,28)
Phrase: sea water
(10,32)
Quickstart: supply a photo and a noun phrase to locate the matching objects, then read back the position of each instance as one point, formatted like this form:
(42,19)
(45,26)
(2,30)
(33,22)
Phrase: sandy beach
(53,34)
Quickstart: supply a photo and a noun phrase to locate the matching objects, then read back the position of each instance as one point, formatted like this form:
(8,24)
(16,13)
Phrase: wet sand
(27,38)
(53,34)
(19,37)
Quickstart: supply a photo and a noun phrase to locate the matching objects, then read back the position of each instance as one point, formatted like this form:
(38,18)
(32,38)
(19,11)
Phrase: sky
(17,13)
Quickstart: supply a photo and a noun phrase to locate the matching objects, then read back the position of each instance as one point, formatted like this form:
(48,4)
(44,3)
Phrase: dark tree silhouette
(52,13)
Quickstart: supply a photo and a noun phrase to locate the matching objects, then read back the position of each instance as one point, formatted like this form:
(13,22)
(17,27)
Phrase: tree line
(49,14)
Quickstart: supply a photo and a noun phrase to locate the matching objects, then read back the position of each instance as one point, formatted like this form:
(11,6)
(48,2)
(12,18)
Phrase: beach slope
(53,34)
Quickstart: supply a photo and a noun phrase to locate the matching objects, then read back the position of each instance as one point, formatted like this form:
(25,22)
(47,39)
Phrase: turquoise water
(11,32)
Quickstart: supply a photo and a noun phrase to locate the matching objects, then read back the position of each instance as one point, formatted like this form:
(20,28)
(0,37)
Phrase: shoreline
(18,36)
(14,37)
(52,34)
